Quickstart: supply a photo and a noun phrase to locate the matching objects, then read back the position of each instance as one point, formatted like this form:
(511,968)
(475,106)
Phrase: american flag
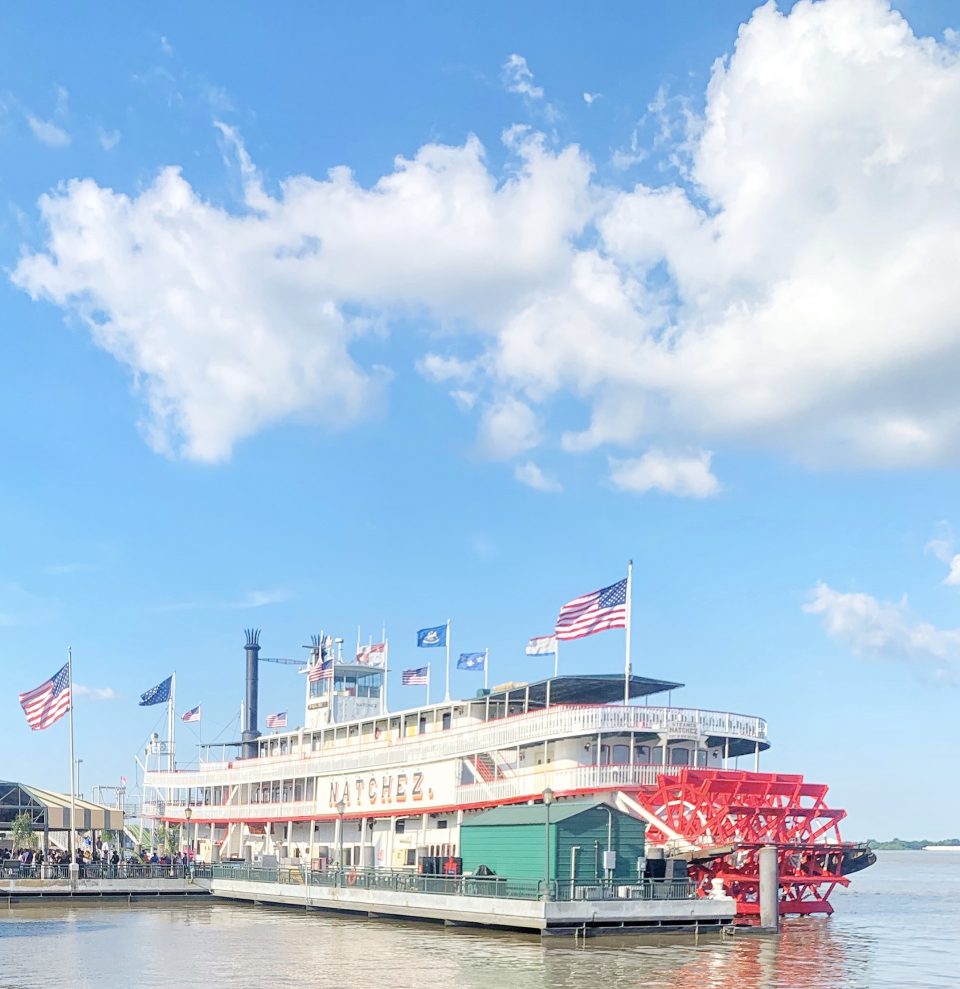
(373,655)
(320,671)
(277,720)
(421,676)
(192,715)
(49,702)
(594,612)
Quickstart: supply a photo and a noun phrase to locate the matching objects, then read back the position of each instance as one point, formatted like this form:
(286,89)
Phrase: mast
(626,665)
(73,793)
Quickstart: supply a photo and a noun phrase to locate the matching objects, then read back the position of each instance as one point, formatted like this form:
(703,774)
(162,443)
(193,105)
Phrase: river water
(898,926)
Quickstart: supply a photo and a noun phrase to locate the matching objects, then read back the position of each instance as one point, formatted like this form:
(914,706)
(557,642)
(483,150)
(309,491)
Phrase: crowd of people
(34,859)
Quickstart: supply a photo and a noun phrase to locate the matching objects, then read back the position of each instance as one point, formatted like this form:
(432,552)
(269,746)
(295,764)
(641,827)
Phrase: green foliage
(899,845)
(21,831)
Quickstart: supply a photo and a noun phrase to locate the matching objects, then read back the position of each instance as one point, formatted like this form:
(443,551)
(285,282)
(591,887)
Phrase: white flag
(373,655)
(542,645)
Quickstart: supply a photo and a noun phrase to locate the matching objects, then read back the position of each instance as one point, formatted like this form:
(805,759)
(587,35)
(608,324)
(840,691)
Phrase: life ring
(352,877)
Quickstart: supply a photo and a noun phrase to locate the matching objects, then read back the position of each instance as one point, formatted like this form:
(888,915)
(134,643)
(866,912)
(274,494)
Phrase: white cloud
(793,290)
(47,132)
(942,547)
(232,321)
(687,476)
(517,78)
(95,693)
(260,599)
(437,367)
(885,629)
(532,475)
(465,400)
(590,98)
(108,139)
(507,428)
(165,45)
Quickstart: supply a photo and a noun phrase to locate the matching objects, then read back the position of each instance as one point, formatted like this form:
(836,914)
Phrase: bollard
(769,889)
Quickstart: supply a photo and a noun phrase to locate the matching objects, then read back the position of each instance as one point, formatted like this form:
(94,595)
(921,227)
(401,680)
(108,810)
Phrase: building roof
(518,814)
(597,688)
(56,808)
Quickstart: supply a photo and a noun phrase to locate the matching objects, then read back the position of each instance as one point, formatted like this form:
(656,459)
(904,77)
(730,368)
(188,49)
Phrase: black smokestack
(250,733)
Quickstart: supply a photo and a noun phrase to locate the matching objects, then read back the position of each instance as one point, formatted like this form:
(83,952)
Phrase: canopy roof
(52,810)
(598,688)
(517,814)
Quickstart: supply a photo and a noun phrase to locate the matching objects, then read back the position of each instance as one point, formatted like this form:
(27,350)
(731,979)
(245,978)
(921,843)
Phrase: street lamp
(187,814)
(341,807)
(547,800)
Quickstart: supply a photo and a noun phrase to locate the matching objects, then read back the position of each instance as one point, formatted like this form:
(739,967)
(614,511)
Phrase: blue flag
(157,695)
(436,636)
(472,661)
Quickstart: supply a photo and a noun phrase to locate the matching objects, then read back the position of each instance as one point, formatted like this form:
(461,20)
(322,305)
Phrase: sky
(338,317)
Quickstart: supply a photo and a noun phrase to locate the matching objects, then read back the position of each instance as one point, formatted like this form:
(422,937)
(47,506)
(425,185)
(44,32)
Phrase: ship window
(423,725)
(642,754)
(446,720)
(621,754)
(399,826)
(658,755)
(442,824)
(679,757)
(701,757)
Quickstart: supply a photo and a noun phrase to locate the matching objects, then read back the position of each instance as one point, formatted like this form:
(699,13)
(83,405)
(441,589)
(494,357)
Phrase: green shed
(511,841)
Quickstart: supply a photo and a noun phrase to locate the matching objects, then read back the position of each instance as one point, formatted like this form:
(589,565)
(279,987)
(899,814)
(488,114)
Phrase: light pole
(78,762)
(547,800)
(341,807)
(187,814)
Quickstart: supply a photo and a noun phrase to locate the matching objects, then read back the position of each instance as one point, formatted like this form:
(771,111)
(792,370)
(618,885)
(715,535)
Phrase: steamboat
(360,787)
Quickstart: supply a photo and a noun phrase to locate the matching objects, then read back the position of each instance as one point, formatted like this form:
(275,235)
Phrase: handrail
(500,887)
(538,726)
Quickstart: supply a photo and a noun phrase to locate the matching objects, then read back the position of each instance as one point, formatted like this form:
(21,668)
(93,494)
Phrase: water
(898,927)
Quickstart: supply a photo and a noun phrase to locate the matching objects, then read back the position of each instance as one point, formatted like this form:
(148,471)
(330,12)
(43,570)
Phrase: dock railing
(500,887)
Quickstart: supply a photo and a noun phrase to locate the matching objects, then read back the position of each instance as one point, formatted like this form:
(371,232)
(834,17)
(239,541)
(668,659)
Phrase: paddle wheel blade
(737,814)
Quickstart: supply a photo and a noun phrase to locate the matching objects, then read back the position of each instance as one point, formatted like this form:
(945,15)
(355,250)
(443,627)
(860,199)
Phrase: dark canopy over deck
(599,688)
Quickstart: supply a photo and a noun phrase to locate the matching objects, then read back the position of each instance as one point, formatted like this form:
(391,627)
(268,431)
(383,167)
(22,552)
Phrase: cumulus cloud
(95,693)
(260,599)
(942,547)
(687,475)
(886,629)
(791,290)
(533,476)
(507,428)
(517,78)
(230,321)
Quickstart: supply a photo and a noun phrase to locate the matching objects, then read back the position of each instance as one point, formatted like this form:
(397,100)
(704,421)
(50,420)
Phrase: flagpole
(428,684)
(626,666)
(556,654)
(486,666)
(73,793)
(447,639)
(386,672)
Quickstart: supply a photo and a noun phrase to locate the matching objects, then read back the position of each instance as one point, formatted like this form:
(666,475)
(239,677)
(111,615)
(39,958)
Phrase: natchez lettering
(395,789)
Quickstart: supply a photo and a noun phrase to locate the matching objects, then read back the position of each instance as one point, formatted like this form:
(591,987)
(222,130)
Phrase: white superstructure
(373,788)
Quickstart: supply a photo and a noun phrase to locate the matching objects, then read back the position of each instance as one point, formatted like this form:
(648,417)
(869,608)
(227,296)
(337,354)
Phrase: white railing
(538,726)
(578,779)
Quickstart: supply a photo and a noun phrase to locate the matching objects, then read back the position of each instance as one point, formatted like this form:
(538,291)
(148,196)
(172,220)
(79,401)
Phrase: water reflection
(901,929)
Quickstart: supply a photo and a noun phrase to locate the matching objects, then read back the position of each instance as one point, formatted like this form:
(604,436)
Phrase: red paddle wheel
(727,817)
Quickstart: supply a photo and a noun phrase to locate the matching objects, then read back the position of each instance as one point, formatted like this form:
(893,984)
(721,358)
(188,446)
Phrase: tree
(21,831)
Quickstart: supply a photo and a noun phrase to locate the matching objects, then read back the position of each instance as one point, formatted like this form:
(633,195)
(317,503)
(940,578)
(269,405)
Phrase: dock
(94,883)
(644,907)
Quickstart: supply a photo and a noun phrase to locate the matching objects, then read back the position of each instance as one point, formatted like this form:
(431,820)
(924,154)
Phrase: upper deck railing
(523,729)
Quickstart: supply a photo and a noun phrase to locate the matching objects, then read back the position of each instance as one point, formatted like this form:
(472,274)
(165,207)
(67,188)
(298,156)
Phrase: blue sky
(324,318)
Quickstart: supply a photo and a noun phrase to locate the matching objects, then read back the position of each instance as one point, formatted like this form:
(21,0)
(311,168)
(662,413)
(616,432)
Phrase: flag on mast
(278,720)
(159,694)
(49,702)
(320,671)
(192,715)
(594,612)
(541,645)
(417,677)
(374,654)
(472,661)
